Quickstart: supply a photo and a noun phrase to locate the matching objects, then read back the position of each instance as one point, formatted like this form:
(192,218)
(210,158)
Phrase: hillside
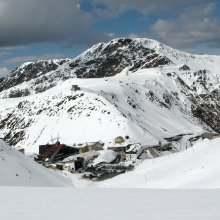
(134,87)
(18,170)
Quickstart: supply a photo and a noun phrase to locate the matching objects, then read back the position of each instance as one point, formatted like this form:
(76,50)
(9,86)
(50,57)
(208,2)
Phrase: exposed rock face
(206,107)
(28,72)
(203,93)
(110,59)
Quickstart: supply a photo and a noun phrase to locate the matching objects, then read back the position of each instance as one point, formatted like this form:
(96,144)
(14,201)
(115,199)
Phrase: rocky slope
(134,87)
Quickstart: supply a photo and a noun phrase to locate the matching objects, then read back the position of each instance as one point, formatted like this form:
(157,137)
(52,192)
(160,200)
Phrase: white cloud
(3,72)
(30,21)
(24,22)
(33,58)
(143,6)
(134,35)
(3,53)
(196,26)
(13,48)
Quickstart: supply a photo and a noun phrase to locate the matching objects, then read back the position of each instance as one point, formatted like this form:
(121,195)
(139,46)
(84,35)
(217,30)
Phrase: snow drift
(18,170)
(194,168)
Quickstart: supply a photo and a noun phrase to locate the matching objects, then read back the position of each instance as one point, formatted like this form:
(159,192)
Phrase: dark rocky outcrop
(28,72)
(112,59)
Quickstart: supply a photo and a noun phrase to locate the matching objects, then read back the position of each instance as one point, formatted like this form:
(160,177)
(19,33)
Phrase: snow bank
(141,204)
(106,156)
(18,170)
(197,167)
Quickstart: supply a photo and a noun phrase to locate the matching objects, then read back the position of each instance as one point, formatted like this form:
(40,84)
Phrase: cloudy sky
(42,29)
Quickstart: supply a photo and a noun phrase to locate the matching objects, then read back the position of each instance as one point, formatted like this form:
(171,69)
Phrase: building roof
(87,156)
(82,145)
(133,147)
(124,144)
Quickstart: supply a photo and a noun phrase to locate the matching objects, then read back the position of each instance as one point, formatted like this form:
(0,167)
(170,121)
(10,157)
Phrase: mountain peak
(104,60)
(109,59)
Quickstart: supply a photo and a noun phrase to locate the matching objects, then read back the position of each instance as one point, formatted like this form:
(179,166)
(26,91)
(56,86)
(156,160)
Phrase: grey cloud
(24,22)
(3,72)
(3,53)
(11,48)
(32,58)
(31,21)
(194,27)
(145,6)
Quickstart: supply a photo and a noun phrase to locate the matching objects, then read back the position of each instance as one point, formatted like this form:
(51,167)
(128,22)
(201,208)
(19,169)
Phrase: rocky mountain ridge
(138,87)
(102,60)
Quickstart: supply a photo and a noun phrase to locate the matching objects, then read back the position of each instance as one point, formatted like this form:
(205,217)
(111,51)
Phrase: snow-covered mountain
(18,170)
(134,87)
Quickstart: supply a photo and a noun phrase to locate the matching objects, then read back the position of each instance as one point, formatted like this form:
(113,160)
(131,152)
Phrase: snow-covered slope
(102,110)
(134,87)
(197,167)
(69,203)
(18,170)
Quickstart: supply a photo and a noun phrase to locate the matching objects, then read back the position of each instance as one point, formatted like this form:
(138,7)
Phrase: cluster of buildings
(80,157)
(72,158)
(97,162)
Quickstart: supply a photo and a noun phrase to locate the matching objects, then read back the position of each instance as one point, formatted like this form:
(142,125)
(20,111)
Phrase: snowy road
(17,203)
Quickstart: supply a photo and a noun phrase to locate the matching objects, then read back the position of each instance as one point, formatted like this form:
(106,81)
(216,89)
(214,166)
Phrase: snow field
(118,204)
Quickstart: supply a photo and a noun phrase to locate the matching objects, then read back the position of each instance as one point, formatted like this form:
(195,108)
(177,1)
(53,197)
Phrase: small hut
(90,146)
(75,88)
(119,140)
(55,152)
